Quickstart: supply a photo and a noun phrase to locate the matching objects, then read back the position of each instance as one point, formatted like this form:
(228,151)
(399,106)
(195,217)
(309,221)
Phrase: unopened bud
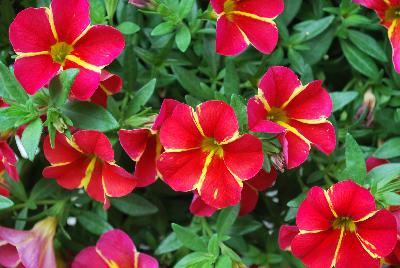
(278,161)
(143,3)
(368,107)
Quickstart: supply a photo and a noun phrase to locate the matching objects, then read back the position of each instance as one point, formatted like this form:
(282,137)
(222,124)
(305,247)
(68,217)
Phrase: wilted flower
(341,227)
(249,197)
(29,249)
(204,152)
(114,249)
(48,41)
(246,21)
(367,106)
(110,84)
(143,145)
(297,113)
(142,3)
(87,161)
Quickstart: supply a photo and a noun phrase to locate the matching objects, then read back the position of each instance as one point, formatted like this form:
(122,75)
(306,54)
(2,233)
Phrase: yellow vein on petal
(339,244)
(84,64)
(52,24)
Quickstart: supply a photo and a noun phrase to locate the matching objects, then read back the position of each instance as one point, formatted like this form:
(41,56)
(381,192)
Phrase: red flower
(143,145)
(373,162)
(389,13)
(3,184)
(341,227)
(87,161)
(48,41)
(114,249)
(286,235)
(110,84)
(204,152)
(8,160)
(241,22)
(394,257)
(297,113)
(249,198)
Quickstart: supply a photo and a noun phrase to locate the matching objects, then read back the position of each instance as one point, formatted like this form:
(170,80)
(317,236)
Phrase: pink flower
(29,249)
(114,249)
(48,41)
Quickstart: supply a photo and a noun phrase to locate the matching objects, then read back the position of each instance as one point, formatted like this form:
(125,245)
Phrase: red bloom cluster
(297,113)
(48,41)
(87,161)
(114,249)
(341,227)
(246,21)
(205,153)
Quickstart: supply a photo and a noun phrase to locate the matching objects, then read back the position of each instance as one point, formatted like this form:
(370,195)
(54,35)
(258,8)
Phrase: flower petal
(314,213)
(87,257)
(261,34)
(351,200)
(35,72)
(322,135)
(244,157)
(8,160)
(134,141)
(286,235)
(31,32)
(294,148)
(86,82)
(312,103)
(110,83)
(263,180)
(94,186)
(394,36)
(248,200)
(9,256)
(218,120)
(117,182)
(229,38)
(167,108)
(117,246)
(181,171)
(62,152)
(146,261)
(266,9)
(199,208)
(219,189)
(373,162)
(279,85)
(257,115)
(100,98)
(146,169)
(100,45)
(71,18)
(179,132)
(94,142)
(218,5)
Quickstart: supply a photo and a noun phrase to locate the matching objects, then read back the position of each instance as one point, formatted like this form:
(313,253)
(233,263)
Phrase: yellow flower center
(211,145)
(60,51)
(392,13)
(277,114)
(229,6)
(344,222)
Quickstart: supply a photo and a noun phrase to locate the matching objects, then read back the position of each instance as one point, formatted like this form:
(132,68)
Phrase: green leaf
(223,262)
(163,28)
(188,238)
(367,44)
(292,7)
(93,223)
(355,162)
(359,60)
(237,103)
(311,28)
(134,205)
(183,38)
(42,189)
(341,99)
(128,27)
(389,198)
(185,6)
(86,115)
(191,83)
(169,244)
(31,138)
(5,202)
(97,11)
(389,149)
(10,87)
(193,258)
(61,86)
(226,219)
(213,245)
(382,175)
(231,79)
(141,97)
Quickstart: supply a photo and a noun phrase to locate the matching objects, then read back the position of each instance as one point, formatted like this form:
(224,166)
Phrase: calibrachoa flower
(87,161)
(8,160)
(110,84)
(29,249)
(241,22)
(297,113)
(373,162)
(143,145)
(389,13)
(205,153)
(394,257)
(341,227)
(286,235)
(114,249)
(249,197)
(48,41)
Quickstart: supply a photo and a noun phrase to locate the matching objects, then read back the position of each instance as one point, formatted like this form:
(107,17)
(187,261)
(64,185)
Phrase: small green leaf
(185,6)
(223,262)
(389,149)
(128,27)
(213,245)
(169,244)
(183,38)
(5,202)
(42,189)
(367,44)
(231,79)
(163,28)
(134,205)
(226,219)
(192,259)
(311,28)
(93,223)
(237,103)
(31,138)
(355,162)
(341,99)
(61,86)
(188,238)
(86,115)
(141,97)
(191,83)
(10,87)
(389,198)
